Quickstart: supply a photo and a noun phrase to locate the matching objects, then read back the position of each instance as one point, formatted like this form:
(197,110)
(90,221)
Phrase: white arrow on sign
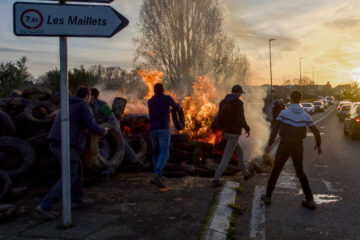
(41,19)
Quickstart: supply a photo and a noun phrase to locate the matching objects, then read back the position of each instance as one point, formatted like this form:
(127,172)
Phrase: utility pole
(313,75)
(271,96)
(300,74)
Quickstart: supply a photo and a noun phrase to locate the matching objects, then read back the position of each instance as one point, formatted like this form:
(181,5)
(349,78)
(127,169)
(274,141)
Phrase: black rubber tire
(22,147)
(7,211)
(178,118)
(36,93)
(93,157)
(198,157)
(15,93)
(14,106)
(180,138)
(345,132)
(29,116)
(5,185)
(139,145)
(7,126)
(180,156)
(18,192)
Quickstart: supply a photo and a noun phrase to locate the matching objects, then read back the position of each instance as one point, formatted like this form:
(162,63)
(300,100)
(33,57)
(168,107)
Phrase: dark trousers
(295,151)
(75,175)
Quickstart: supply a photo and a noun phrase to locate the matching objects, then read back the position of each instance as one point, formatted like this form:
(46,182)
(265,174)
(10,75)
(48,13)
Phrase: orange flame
(150,78)
(200,112)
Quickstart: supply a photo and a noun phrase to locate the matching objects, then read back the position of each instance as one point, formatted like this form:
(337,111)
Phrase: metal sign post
(61,20)
(65,141)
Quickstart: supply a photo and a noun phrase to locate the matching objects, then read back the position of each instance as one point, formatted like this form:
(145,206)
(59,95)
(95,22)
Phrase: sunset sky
(324,32)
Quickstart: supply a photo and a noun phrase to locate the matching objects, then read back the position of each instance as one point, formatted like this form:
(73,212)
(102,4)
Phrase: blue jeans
(160,141)
(55,193)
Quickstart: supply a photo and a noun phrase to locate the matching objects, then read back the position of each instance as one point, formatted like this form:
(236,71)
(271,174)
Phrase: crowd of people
(87,112)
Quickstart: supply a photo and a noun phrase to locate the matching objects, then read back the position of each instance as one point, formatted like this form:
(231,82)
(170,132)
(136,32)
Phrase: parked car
(319,106)
(341,104)
(352,123)
(344,111)
(308,107)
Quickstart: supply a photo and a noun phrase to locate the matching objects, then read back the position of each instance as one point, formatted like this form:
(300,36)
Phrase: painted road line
(330,187)
(257,224)
(325,198)
(220,220)
(287,181)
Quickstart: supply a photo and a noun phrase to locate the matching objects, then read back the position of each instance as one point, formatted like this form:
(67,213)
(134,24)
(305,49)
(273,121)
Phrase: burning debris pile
(26,118)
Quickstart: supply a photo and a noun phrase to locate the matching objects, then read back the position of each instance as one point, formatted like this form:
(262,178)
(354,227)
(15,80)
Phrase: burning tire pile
(25,158)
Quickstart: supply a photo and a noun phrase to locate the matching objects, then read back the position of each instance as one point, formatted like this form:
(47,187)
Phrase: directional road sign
(42,19)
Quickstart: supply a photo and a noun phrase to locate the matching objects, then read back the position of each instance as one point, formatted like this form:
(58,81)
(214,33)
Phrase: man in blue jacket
(159,113)
(292,123)
(232,121)
(81,118)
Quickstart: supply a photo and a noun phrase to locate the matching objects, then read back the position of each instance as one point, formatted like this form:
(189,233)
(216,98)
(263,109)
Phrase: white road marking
(310,134)
(257,223)
(321,166)
(330,187)
(287,180)
(325,198)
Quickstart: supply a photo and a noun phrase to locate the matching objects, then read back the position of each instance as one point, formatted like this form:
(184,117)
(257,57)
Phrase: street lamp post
(271,97)
(300,74)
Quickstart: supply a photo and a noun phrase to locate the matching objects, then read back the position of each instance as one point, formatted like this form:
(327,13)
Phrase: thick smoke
(259,128)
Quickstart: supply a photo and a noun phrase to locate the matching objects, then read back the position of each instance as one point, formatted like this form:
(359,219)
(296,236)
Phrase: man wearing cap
(232,121)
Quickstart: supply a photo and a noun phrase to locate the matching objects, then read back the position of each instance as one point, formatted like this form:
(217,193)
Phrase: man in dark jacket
(292,124)
(159,112)
(81,118)
(232,121)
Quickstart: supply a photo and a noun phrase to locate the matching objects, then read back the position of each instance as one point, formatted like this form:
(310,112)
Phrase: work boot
(83,204)
(309,204)
(266,200)
(47,214)
(156,180)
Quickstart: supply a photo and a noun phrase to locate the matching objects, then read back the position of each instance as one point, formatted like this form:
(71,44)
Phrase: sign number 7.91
(31,19)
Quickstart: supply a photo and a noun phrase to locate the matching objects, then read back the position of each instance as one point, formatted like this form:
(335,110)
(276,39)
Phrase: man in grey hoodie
(232,121)
(292,124)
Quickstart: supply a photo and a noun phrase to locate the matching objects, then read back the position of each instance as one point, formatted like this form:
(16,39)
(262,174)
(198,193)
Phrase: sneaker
(48,214)
(156,180)
(216,184)
(309,204)
(266,200)
(83,204)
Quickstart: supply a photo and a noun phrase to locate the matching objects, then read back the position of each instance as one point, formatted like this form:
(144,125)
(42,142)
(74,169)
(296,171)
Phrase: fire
(150,78)
(200,111)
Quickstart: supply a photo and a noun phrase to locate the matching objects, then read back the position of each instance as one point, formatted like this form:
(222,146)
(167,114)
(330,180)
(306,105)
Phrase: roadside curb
(220,219)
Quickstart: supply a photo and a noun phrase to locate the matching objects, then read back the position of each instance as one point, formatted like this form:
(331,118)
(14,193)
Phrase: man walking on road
(81,118)
(232,121)
(159,112)
(292,124)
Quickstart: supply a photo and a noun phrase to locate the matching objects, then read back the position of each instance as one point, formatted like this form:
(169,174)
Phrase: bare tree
(184,39)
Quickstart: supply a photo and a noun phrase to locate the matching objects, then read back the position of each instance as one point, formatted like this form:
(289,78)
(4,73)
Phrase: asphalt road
(334,178)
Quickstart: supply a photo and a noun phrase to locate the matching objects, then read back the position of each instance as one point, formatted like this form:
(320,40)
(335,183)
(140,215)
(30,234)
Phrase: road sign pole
(65,142)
